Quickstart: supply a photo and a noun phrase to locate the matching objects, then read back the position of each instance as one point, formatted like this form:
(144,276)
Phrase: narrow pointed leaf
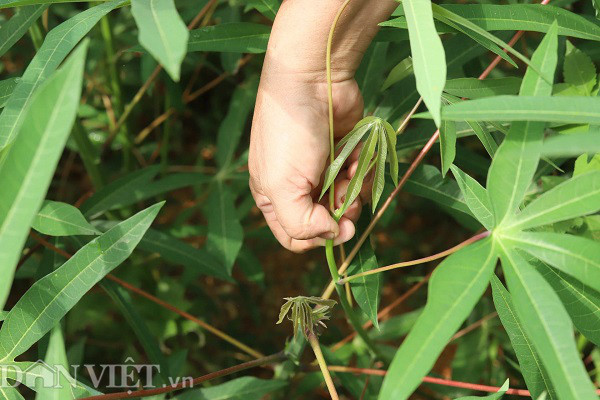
(574,255)
(162,32)
(6,88)
(244,388)
(392,155)
(573,198)
(548,325)
(59,42)
(572,145)
(61,219)
(533,371)
(402,70)
(429,60)
(516,160)
(447,145)
(50,298)
(473,88)
(476,198)
(379,181)
(494,396)
(10,393)
(17,26)
(30,162)
(225,233)
(236,37)
(455,287)
(581,302)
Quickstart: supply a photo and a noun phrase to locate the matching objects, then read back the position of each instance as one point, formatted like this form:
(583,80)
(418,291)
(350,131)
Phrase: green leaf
(10,393)
(369,75)
(31,160)
(573,198)
(6,88)
(162,32)
(455,287)
(366,288)
(516,160)
(225,233)
(244,388)
(548,325)
(574,255)
(532,369)
(51,297)
(268,8)
(476,197)
(17,26)
(429,60)
(473,88)
(364,161)
(236,37)
(494,396)
(391,138)
(581,302)
(151,346)
(232,127)
(402,70)
(61,219)
(379,179)
(59,42)
(572,145)
(447,144)
(566,110)
(527,17)
(579,70)
(135,187)
(56,357)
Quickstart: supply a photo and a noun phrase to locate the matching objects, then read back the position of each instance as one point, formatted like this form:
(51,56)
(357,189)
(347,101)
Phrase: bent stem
(314,343)
(416,262)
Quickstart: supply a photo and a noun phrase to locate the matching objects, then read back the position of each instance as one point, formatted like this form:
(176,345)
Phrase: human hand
(289,146)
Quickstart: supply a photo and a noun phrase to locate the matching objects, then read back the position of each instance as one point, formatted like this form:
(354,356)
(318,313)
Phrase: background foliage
(124,143)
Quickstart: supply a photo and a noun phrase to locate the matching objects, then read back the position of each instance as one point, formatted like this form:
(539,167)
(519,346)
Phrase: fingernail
(329,235)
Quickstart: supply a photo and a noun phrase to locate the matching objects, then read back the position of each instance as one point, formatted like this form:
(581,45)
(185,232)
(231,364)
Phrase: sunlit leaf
(476,197)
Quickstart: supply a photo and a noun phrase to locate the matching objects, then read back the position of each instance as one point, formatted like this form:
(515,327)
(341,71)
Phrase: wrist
(298,41)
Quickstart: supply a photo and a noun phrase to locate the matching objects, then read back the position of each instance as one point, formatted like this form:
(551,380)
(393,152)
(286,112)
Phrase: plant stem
(314,343)
(418,261)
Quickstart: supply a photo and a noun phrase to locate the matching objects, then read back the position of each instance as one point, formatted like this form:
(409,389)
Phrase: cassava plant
(128,232)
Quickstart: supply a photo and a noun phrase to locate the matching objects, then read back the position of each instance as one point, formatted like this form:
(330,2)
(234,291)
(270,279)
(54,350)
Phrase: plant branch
(418,261)
(187,385)
(314,343)
(220,334)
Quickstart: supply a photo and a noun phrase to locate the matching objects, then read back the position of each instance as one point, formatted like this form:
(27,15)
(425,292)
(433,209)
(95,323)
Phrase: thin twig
(474,326)
(314,343)
(188,385)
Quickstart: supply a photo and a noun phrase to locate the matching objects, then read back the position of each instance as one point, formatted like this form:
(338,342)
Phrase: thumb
(302,219)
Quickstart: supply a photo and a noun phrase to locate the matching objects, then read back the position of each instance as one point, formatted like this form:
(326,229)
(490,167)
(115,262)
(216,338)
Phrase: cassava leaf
(572,145)
(516,160)
(59,42)
(17,26)
(473,88)
(429,60)
(494,396)
(379,179)
(532,369)
(403,69)
(162,32)
(244,388)
(447,144)
(237,37)
(548,325)
(51,297)
(454,289)
(6,88)
(579,70)
(61,219)
(30,162)
(476,197)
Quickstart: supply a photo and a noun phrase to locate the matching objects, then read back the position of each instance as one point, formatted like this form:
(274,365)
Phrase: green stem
(414,262)
(36,36)
(314,343)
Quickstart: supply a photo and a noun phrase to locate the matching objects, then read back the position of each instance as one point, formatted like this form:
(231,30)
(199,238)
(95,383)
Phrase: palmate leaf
(429,59)
(162,32)
(59,42)
(61,219)
(574,255)
(17,26)
(476,197)
(455,287)
(31,160)
(236,37)
(516,160)
(573,198)
(548,325)
(51,297)
(581,302)
(532,369)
